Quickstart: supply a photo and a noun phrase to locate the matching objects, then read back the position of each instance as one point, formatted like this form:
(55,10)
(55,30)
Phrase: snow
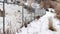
(1,21)
(1,0)
(13,21)
(41,26)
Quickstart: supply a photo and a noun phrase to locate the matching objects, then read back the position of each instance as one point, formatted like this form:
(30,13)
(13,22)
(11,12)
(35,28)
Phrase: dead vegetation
(58,15)
(37,17)
(50,25)
(55,4)
(57,1)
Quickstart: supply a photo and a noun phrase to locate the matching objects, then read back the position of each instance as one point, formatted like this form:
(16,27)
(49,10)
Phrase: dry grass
(10,31)
(45,4)
(55,4)
(57,11)
(37,17)
(58,15)
(58,1)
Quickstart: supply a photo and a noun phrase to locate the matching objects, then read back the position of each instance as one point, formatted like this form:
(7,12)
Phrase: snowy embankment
(41,26)
(13,21)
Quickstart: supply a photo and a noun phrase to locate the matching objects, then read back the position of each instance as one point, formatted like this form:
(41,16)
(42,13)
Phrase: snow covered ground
(41,26)
(13,21)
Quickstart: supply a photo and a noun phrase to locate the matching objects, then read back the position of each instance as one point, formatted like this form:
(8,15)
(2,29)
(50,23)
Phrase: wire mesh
(24,18)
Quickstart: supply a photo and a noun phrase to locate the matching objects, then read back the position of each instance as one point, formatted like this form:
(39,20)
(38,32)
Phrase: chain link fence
(16,16)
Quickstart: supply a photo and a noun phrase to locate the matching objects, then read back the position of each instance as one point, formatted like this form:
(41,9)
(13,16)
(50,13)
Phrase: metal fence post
(22,16)
(4,17)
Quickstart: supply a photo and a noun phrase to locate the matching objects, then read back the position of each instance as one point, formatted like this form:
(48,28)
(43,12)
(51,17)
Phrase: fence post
(22,16)
(4,17)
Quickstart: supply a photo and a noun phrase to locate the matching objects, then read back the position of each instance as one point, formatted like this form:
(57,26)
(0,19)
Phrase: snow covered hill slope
(13,21)
(41,26)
